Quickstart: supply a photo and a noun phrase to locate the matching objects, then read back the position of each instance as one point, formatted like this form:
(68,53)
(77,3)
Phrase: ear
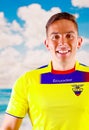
(79,42)
(46,44)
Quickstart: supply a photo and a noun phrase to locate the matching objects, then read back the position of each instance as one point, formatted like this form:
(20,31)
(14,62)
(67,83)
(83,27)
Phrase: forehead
(62,26)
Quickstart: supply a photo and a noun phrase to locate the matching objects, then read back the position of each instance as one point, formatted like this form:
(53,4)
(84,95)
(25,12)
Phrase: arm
(17,106)
(11,123)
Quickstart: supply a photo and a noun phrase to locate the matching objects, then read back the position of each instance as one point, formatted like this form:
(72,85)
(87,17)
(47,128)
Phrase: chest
(59,95)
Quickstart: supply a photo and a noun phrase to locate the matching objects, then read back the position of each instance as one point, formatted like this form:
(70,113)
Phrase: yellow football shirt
(53,101)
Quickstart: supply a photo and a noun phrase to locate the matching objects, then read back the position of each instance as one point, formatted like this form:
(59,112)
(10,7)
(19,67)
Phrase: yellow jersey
(52,101)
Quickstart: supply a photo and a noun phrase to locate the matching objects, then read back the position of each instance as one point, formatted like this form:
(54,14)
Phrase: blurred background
(22,35)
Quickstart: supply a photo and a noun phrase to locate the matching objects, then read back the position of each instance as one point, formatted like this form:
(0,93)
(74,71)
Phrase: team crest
(77,89)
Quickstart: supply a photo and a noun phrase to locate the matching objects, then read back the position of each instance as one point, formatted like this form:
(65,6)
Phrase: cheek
(73,44)
(74,48)
(52,46)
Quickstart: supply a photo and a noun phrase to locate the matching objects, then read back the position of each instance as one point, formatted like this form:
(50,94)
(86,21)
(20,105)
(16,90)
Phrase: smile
(63,51)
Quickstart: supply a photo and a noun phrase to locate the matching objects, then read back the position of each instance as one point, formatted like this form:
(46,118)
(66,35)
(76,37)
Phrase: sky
(22,34)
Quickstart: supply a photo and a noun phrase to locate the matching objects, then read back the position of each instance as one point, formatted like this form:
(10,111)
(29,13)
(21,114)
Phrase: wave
(4,99)
(5,90)
(3,108)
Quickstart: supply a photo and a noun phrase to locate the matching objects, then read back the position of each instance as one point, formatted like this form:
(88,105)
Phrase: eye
(70,36)
(55,37)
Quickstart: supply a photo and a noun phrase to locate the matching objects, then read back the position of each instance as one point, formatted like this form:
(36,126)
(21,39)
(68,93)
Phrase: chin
(63,58)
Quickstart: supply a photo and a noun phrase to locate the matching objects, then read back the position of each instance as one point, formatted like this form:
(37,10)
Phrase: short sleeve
(18,104)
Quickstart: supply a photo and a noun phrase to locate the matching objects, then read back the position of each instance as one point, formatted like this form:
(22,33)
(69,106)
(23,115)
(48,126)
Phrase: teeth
(62,52)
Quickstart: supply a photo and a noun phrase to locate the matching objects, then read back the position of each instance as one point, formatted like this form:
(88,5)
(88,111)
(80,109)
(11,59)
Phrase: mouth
(63,52)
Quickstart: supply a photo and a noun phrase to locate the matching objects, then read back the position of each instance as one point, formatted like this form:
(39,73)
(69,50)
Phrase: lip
(63,52)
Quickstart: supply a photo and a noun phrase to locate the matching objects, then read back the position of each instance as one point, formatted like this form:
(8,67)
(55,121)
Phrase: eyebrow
(60,33)
(54,33)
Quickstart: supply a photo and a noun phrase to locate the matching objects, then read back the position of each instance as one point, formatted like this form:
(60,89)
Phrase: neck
(63,66)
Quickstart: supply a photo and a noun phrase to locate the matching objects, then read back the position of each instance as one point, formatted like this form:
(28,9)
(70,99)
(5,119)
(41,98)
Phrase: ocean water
(4,99)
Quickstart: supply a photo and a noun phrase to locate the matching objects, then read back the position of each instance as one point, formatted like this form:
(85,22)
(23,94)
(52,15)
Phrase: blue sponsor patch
(74,77)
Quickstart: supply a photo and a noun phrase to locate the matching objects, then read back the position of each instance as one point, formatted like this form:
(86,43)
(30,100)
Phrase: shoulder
(82,67)
(28,78)
(35,72)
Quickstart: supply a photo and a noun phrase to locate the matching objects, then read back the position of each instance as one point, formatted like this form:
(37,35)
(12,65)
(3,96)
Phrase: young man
(55,96)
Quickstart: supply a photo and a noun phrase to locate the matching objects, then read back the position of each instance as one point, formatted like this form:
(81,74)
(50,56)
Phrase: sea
(4,99)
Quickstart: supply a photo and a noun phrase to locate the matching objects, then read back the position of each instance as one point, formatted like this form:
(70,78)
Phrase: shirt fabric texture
(52,101)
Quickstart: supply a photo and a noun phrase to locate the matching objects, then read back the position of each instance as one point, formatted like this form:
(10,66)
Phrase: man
(55,96)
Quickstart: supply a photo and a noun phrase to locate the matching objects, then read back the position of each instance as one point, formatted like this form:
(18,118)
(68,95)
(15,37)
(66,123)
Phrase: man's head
(62,38)
(60,16)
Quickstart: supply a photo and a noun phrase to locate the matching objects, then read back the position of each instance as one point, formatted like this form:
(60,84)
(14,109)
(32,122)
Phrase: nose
(63,40)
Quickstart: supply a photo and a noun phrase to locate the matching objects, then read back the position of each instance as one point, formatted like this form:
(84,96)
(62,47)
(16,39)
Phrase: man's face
(62,40)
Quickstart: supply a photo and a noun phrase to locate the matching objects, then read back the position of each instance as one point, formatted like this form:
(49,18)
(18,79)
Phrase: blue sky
(22,32)
(10,9)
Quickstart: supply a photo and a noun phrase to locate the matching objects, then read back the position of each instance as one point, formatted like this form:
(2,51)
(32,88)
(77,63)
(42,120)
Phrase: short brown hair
(60,16)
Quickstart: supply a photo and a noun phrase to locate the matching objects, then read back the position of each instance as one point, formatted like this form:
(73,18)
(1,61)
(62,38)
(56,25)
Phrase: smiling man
(55,96)
(63,41)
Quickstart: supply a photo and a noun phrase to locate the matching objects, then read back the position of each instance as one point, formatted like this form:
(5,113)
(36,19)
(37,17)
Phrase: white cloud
(36,58)
(2,20)
(14,26)
(9,33)
(9,66)
(35,20)
(33,31)
(83,56)
(80,3)
(12,64)
(85,41)
(8,39)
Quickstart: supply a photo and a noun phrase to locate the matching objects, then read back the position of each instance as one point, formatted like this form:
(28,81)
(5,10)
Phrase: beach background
(22,35)
(4,99)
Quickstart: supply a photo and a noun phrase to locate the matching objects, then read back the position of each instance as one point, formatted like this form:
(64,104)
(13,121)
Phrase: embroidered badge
(77,89)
